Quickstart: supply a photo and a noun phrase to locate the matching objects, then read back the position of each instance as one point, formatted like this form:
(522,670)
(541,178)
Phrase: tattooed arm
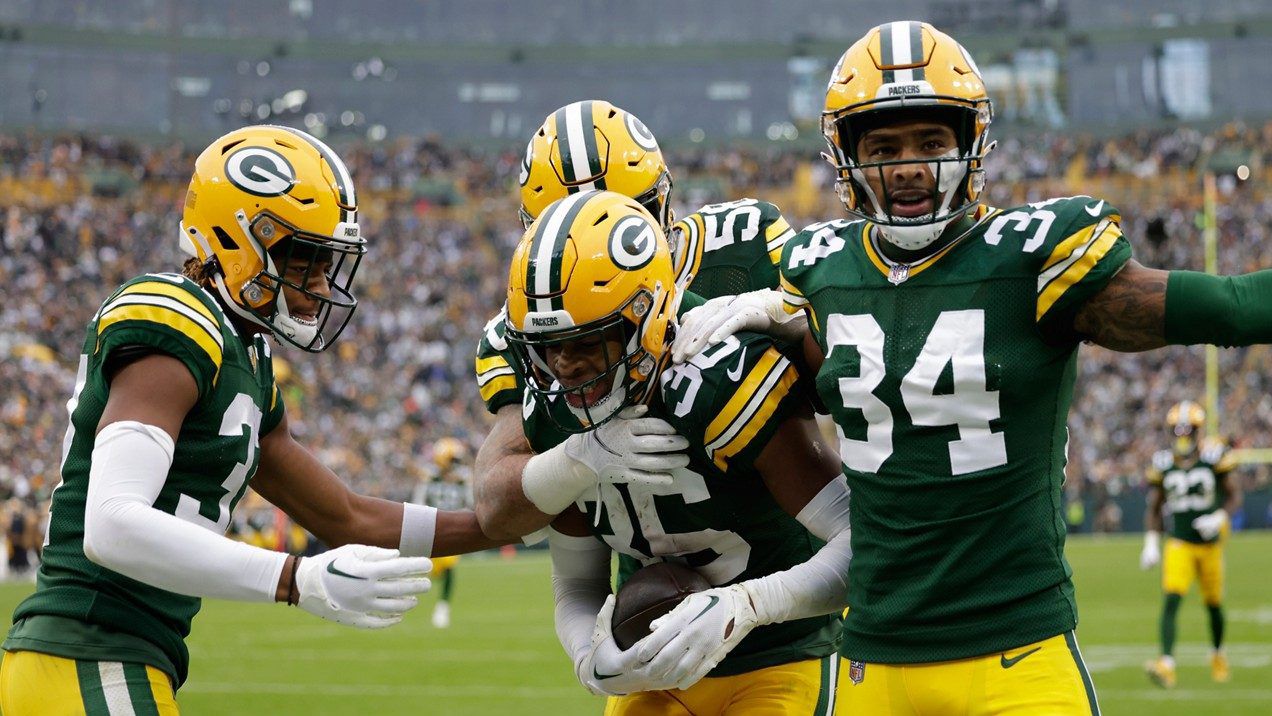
(1129,314)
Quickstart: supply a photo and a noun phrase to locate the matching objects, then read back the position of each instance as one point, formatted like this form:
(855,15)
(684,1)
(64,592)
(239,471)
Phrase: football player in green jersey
(944,334)
(720,249)
(759,511)
(1193,481)
(174,410)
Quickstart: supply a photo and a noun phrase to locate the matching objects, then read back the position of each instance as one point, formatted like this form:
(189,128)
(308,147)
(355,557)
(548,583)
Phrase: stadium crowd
(81,214)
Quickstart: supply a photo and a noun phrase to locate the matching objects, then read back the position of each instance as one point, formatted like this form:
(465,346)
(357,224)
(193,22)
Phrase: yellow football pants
(1046,678)
(1182,562)
(801,687)
(35,684)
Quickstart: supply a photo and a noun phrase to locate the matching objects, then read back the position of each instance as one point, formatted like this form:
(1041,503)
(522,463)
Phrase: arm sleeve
(124,533)
(820,584)
(580,584)
(1219,310)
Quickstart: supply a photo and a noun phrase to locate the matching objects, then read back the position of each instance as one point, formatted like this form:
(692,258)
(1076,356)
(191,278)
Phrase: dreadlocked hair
(201,272)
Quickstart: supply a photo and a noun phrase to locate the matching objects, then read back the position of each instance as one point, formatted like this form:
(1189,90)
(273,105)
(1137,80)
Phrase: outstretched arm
(1142,308)
(295,480)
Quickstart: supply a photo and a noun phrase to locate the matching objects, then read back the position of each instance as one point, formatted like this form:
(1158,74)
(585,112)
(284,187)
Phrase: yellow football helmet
(593,145)
(594,267)
(264,198)
(908,71)
(1184,420)
(447,451)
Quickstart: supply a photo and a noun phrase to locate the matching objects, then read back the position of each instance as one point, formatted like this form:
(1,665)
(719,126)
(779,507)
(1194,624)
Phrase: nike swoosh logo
(1095,210)
(1008,663)
(714,601)
(735,372)
(601,677)
(331,567)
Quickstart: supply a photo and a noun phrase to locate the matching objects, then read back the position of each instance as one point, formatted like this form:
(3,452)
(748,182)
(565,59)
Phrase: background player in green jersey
(758,511)
(720,249)
(945,335)
(1194,482)
(175,409)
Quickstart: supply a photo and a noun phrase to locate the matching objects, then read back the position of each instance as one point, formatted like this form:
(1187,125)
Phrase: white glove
(606,670)
(723,316)
(1151,555)
(1210,525)
(365,587)
(630,448)
(692,639)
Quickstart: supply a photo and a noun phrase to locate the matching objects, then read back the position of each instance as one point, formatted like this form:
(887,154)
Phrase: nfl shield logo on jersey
(856,671)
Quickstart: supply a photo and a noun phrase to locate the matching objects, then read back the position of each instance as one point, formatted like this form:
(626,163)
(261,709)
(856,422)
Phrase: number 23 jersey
(949,382)
(82,610)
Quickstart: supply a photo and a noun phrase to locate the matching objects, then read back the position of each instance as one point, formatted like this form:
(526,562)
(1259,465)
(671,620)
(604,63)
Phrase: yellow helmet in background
(593,267)
(265,197)
(447,451)
(1184,420)
(594,146)
(908,71)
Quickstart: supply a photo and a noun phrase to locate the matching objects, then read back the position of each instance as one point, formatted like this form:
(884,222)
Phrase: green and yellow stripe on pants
(36,684)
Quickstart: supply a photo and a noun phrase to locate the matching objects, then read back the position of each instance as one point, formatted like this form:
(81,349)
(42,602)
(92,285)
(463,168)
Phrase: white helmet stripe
(547,244)
(574,134)
(901,54)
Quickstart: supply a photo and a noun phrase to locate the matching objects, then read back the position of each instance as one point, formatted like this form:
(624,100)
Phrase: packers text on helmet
(593,276)
(274,207)
(899,72)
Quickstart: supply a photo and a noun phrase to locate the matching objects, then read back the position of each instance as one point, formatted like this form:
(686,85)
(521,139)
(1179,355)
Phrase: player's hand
(365,587)
(633,447)
(607,670)
(721,317)
(1210,525)
(1151,555)
(692,639)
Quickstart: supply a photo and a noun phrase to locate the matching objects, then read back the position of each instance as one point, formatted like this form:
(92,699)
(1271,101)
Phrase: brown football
(648,594)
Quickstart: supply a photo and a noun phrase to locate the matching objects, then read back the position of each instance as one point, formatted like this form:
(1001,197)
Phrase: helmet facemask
(630,371)
(291,263)
(957,175)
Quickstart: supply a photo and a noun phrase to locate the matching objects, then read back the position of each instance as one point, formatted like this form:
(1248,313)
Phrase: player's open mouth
(911,203)
(305,319)
(593,398)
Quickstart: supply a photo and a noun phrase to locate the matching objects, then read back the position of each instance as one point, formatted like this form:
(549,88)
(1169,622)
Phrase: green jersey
(82,610)
(1192,487)
(949,381)
(717,516)
(730,248)
(727,249)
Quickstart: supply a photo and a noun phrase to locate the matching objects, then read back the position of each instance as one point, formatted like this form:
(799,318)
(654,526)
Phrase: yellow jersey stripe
(165,316)
(1073,269)
(1065,248)
(163,288)
(484,378)
(754,402)
(494,362)
(496,386)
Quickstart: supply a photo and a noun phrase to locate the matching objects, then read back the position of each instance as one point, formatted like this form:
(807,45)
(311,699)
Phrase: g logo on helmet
(632,242)
(260,171)
(640,133)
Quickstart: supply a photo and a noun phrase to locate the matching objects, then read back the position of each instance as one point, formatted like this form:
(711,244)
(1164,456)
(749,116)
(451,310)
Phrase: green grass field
(501,656)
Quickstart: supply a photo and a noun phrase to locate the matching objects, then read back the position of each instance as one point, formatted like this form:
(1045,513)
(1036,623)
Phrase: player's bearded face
(907,185)
(579,362)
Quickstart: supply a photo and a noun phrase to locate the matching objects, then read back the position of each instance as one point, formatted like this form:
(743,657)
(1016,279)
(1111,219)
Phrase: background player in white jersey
(1193,482)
